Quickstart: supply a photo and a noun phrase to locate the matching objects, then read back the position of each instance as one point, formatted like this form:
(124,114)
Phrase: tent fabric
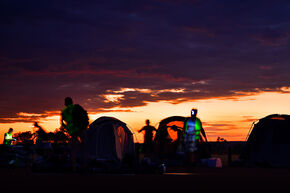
(162,131)
(269,142)
(169,141)
(109,139)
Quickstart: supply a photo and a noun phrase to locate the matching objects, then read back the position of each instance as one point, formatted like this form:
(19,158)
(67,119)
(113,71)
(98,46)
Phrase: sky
(145,59)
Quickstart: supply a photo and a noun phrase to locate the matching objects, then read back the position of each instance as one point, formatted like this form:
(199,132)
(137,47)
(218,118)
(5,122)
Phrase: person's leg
(84,142)
(190,158)
(196,157)
(151,150)
(73,142)
(190,153)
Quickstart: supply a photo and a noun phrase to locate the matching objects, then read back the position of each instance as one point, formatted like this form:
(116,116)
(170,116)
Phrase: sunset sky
(145,59)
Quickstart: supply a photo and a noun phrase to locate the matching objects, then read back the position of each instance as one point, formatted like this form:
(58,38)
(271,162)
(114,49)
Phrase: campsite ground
(226,179)
(176,179)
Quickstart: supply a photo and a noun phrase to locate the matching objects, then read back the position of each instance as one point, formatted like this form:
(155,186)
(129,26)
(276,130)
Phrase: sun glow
(115,98)
(227,118)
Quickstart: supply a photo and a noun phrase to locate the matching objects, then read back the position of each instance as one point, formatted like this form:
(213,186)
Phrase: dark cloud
(249,119)
(274,38)
(173,50)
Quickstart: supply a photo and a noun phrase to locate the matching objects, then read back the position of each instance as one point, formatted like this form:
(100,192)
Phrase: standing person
(74,119)
(192,130)
(8,139)
(148,137)
(41,134)
(180,134)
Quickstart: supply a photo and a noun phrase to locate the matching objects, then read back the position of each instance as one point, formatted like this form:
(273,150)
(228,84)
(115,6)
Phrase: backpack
(80,117)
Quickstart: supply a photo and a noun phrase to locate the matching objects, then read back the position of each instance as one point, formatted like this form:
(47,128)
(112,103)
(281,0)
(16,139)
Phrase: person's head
(193,113)
(68,101)
(36,124)
(10,130)
(147,122)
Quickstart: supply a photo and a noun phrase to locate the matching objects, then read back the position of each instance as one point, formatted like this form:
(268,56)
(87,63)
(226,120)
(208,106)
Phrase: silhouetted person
(40,133)
(192,137)
(179,132)
(148,137)
(74,120)
(8,139)
(178,142)
(218,139)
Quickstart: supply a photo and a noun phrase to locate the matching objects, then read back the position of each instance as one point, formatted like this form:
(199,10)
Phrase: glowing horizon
(227,118)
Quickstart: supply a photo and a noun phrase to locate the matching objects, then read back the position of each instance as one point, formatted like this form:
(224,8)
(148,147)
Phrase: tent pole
(250,130)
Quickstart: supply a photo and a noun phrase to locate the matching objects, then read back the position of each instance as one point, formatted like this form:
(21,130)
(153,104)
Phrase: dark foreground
(200,180)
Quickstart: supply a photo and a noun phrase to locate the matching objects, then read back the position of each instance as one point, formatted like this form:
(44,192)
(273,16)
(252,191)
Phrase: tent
(269,142)
(169,137)
(109,139)
(164,133)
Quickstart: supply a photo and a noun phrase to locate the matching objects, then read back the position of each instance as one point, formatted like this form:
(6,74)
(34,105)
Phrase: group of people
(74,120)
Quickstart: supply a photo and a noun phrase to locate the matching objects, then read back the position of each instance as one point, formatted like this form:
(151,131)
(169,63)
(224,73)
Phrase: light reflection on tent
(164,130)
(173,134)
(109,139)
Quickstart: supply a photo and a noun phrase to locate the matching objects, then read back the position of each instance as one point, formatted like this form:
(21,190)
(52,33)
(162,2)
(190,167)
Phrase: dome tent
(109,139)
(169,137)
(164,132)
(269,142)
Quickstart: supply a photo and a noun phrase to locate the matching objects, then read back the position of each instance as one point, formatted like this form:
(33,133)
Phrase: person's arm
(185,125)
(62,122)
(203,132)
(141,130)
(174,128)
(5,137)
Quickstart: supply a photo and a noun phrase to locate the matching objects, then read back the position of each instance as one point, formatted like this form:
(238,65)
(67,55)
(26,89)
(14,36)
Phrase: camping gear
(110,139)
(269,142)
(214,162)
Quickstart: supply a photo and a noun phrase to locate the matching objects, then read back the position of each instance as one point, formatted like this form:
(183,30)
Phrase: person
(8,139)
(192,137)
(74,119)
(179,132)
(178,142)
(162,140)
(41,133)
(148,137)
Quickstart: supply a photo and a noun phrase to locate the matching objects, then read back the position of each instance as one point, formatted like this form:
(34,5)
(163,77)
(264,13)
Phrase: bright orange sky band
(229,118)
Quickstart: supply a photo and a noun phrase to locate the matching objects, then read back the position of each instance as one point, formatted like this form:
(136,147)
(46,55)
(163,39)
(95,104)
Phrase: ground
(226,179)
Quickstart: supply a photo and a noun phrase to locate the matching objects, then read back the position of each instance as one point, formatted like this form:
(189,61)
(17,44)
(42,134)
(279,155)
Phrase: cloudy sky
(118,56)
